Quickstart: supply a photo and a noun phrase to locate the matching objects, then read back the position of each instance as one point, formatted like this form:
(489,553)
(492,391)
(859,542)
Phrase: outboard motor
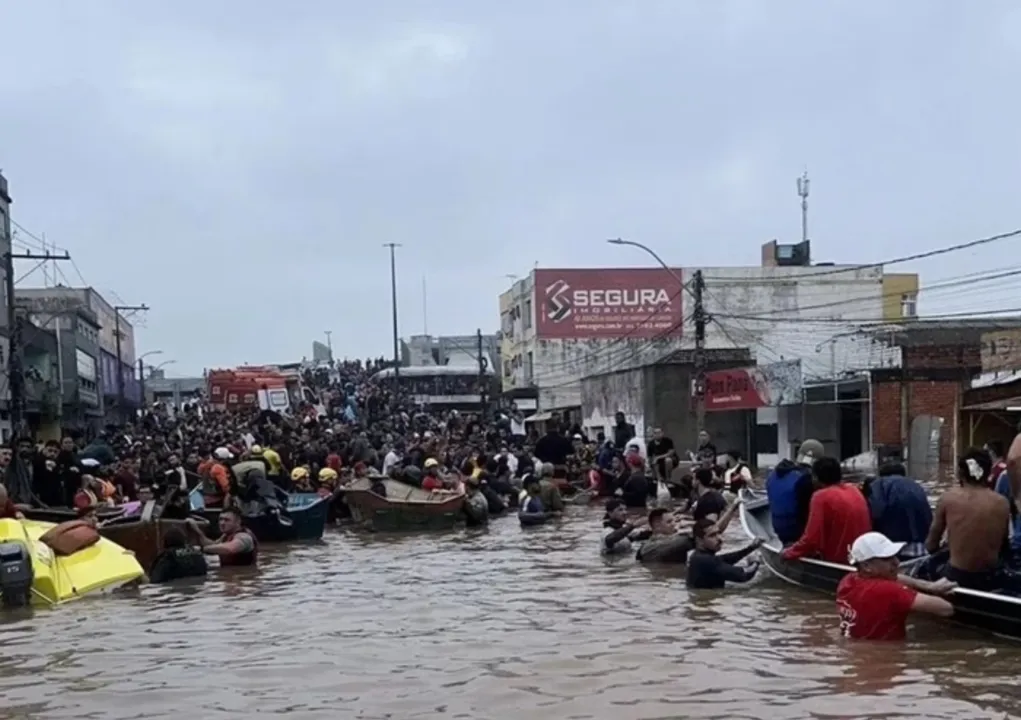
(16,575)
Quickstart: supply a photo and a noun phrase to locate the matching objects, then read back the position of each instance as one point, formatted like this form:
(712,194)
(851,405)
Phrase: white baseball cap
(873,545)
(222,453)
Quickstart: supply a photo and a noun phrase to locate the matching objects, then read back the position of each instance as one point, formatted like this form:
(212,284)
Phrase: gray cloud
(237,166)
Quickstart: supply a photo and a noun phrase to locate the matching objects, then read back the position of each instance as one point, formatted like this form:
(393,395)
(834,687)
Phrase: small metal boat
(996,613)
(305,518)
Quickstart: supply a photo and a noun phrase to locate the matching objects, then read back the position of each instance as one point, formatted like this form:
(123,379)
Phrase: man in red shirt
(837,515)
(8,510)
(874,602)
(432,480)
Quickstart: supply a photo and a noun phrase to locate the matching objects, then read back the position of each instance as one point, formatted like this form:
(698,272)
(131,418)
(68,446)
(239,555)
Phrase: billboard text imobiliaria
(641,303)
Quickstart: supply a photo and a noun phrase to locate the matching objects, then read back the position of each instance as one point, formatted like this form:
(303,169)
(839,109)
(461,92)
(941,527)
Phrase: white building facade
(812,314)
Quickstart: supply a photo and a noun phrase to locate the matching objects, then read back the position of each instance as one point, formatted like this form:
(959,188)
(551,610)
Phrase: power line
(630,354)
(948,284)
(41,244)
(866,322)
(907,258)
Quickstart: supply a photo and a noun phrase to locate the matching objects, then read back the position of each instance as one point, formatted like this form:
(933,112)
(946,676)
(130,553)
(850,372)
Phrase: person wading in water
(236,546)
(874,602)
(706,569)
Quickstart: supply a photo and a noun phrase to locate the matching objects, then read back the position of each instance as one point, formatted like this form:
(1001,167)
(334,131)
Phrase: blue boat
(305,518)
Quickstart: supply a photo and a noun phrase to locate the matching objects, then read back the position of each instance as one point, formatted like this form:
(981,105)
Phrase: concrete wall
(517,334)
(605,395)
(63,299)
(788,313)
(453,350)
(660,396)
(895,287)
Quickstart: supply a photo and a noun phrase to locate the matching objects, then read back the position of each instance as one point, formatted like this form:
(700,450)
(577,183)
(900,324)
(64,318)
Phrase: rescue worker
(216,489)
(178,559)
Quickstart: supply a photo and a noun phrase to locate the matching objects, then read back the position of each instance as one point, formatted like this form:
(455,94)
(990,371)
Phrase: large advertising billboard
(640,303)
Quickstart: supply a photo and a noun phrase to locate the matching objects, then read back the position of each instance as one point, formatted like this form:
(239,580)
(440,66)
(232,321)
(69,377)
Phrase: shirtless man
(975,520)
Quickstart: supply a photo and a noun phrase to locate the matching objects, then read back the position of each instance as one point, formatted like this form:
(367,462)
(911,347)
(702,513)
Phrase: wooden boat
(141,534)
(404,508)
(991,612)
(305,518)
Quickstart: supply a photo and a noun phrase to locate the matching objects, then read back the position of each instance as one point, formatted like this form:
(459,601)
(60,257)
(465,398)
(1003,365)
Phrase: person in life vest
(178,559)
(91,493)
(236,546)
(216,479)
(99,490)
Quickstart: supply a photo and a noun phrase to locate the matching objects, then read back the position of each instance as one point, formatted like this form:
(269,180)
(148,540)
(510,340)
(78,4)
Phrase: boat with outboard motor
(997,613)
(31,573)
(303,519)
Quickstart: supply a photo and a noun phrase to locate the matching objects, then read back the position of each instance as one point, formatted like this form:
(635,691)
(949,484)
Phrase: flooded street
(502,623)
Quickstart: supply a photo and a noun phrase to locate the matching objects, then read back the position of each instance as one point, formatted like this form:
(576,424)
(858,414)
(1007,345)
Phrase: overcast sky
(236,165)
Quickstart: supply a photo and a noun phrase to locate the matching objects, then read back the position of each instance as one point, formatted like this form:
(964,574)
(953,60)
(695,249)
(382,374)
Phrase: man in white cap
(874,602)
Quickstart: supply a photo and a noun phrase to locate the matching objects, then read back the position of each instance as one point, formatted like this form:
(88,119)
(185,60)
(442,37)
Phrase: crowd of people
(361,426)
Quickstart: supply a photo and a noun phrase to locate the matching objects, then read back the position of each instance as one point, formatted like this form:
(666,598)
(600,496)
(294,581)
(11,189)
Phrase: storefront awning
(1004,404)
(539,417)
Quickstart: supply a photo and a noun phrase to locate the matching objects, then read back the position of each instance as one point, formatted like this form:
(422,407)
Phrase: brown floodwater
(502,623)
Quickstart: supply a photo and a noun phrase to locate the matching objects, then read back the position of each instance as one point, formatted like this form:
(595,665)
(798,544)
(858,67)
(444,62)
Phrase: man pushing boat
(236,546)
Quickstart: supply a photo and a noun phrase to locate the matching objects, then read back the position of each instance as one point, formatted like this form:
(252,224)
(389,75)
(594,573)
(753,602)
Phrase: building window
(909,305)
(527,319)
(528,368)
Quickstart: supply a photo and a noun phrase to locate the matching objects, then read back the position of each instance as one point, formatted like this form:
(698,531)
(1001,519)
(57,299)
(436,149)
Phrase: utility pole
(141,381)
(700,354)
(393,302)
(803,194)
(117,337)
(483,365)
(15,371)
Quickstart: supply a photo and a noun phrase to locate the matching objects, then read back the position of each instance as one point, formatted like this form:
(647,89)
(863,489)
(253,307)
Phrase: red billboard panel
(610,304)
(756,387)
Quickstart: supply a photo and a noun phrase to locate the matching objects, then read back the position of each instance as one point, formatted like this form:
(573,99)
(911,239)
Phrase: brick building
(940,364)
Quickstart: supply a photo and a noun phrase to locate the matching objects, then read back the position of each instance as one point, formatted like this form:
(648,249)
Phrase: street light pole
(117,338)
(700,317)
(141,373)
(393,302)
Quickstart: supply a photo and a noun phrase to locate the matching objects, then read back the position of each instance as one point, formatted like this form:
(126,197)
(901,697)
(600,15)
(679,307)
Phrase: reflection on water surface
(503,623)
